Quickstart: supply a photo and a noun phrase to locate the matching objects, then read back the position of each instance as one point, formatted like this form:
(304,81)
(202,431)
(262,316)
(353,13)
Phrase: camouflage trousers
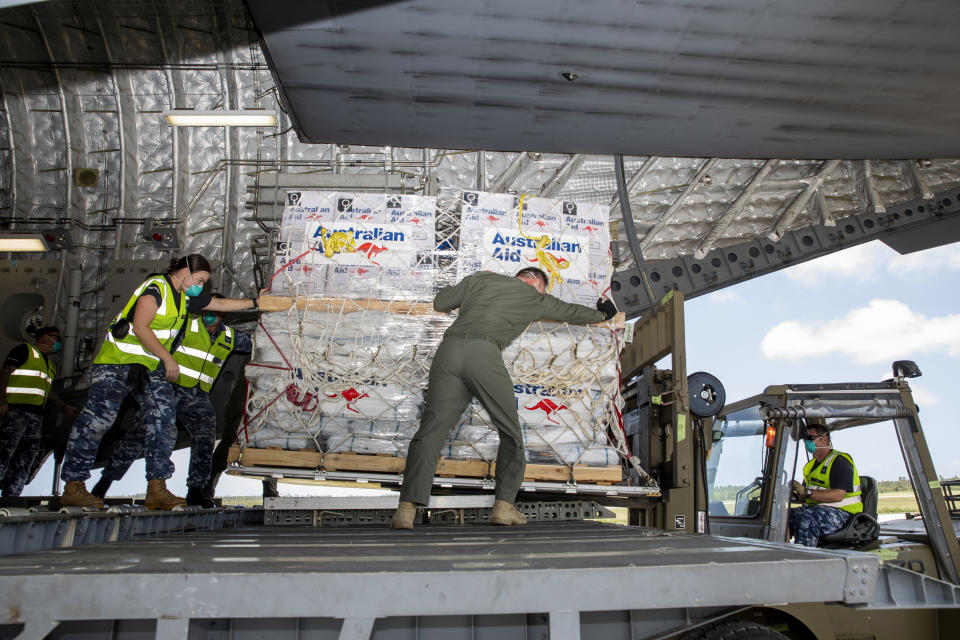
(809,522)
(109,385)
(197,415)
(20,433)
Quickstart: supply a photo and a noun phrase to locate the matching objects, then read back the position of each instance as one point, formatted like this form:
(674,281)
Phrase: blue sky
(841,318)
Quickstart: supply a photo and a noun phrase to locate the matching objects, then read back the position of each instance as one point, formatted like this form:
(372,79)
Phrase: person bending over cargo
(494,310)
(830,490)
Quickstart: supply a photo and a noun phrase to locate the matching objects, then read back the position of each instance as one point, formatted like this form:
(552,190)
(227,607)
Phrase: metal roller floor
(362,574)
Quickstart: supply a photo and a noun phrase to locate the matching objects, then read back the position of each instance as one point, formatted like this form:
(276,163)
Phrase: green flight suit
(494,310)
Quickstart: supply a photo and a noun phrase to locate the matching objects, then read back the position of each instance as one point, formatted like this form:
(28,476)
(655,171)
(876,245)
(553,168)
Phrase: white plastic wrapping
(350,373)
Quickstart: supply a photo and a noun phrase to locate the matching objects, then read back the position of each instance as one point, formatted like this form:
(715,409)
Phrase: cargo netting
(341,365)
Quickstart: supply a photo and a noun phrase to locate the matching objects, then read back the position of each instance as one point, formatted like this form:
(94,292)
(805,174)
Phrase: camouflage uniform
(809,522)
(196,413)
(108,387)
(20,433)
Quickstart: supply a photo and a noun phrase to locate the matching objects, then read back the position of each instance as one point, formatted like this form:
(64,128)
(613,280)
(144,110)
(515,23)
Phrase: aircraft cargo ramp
(566,579)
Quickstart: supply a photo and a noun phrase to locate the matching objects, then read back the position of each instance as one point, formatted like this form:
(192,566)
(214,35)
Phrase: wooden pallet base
(389,464)
(269,302)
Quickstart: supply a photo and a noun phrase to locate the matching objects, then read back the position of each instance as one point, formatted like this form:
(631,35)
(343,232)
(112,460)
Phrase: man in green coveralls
(494,310)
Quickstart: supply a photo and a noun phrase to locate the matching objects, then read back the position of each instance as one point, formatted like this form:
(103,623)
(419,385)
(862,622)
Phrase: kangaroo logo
(371,250)
(351,395)
(549,407)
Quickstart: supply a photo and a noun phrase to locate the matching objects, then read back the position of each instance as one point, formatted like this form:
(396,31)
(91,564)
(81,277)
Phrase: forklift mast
(660,429)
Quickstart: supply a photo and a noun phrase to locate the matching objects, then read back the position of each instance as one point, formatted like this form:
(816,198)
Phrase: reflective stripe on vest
(30,382)
(200,359)
(819,480)
(170,316)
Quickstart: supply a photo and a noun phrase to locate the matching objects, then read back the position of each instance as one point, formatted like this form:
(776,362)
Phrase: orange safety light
(771,435)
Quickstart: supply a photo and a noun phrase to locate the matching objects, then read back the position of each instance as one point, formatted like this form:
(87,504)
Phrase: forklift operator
(830,490)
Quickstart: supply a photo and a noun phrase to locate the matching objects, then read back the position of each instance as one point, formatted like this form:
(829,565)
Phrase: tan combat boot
(159,499)
(403,516)
(506,514)
(75,494)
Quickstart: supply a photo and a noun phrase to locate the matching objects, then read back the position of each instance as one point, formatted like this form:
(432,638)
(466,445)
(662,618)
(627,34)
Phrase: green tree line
(729,492)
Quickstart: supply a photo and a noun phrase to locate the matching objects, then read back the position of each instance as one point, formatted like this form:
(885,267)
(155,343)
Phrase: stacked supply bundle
(341,364)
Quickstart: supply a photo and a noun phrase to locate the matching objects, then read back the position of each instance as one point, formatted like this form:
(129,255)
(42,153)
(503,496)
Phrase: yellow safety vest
(200,360)
(820,479)
(171,315)
(30,383)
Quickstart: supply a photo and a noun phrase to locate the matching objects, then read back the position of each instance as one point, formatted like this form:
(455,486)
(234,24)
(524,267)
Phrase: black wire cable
(632,240)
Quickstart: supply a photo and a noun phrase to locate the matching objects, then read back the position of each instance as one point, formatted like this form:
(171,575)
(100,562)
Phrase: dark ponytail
(195,261)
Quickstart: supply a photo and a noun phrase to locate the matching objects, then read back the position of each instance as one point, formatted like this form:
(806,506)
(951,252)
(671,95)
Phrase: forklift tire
(733,630)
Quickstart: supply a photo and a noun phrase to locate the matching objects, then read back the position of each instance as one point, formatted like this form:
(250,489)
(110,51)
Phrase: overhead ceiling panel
(705,78)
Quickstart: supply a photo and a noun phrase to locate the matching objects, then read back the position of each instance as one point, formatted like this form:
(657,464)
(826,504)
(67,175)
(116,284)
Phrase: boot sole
(400,526)
(507,523)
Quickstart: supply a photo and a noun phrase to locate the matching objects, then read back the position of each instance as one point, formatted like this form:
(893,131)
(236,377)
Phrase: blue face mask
(209,319)
(810,445)
(57,346)
(193,290)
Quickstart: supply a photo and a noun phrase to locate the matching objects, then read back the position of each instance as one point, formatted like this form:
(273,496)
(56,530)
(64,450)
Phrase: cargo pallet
(450,474)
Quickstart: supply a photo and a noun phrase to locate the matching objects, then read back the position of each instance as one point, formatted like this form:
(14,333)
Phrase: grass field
(895,502)
(898,502)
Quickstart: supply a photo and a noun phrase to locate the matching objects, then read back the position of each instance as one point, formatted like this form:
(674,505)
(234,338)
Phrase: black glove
(137,377)
(607,307)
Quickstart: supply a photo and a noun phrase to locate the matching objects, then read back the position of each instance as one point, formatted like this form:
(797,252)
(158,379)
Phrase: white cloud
(883,331)
(922,396)
(860,263)
(946,258)
(863,262)
(725,295)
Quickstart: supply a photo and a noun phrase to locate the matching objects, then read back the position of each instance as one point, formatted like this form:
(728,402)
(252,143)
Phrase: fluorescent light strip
(22,242)
(220,118)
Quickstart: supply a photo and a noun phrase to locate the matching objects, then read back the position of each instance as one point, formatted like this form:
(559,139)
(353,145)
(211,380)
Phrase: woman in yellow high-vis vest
(206,346)
(135,357)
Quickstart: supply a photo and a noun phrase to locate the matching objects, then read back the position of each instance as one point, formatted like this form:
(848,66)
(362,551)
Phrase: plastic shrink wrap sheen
(352,376)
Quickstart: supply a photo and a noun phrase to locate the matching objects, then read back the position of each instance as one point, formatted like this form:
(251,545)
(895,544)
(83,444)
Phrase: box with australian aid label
(569,241)
(345,367)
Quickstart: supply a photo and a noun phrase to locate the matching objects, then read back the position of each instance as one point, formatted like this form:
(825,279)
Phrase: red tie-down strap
(246,396)
(293,392)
